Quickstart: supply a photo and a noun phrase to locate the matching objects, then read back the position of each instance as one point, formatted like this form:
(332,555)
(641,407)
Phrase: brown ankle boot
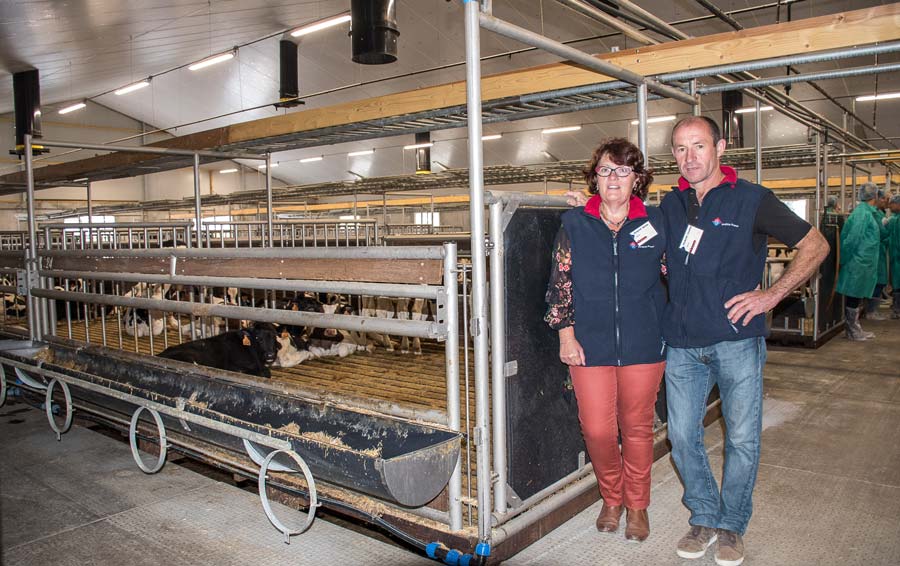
(608,521)
(637,525)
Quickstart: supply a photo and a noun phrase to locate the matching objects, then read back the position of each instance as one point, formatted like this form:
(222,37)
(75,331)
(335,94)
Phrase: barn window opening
(427,218)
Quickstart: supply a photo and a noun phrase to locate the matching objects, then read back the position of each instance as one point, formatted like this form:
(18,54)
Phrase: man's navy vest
(725,263)
(617,291)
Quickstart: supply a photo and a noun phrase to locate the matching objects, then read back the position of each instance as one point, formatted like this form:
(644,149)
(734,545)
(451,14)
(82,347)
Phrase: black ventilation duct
(732,122)
(27,101)
(288,81)
(373,31)
(423,154)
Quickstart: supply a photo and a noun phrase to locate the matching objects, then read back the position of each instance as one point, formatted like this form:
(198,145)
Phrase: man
(858,272)
(871,311)
(715,328)
(893,234)
(831,205)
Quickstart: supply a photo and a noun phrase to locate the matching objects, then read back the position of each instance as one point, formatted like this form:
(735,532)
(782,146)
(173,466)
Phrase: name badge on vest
(643,234)
(691,239)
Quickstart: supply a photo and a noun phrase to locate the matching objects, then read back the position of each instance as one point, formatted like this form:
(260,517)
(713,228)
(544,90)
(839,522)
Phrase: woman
(605,298)
(858,273)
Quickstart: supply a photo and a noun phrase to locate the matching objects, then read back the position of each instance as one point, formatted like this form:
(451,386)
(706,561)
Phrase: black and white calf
(143,322)
(402,309)
(250,350)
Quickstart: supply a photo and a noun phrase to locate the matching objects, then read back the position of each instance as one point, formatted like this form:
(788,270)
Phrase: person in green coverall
(893,231)
(871,311)
(858,274)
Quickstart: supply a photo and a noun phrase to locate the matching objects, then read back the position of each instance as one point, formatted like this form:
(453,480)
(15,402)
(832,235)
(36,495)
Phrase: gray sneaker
(729,548)
(695,543)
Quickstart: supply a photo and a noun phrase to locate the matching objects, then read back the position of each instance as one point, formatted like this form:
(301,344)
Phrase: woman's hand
(570,352)
(576,198)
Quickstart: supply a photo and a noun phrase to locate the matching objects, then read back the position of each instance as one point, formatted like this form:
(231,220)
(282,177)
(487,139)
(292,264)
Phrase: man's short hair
(710,123)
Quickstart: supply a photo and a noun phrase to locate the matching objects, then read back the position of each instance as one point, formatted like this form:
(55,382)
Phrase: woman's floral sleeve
(560,306)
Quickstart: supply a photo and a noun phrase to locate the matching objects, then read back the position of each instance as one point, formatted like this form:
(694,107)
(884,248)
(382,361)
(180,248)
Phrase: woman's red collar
(636,208)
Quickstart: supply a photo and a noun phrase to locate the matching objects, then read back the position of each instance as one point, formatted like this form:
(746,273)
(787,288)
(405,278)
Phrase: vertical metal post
(844,172)
(825,174)
(498,355)
(818,215)
(48,284)
(269,211)
(34,332)
(853,194)
(642,121)
(696,108)
(451,353)
(758,143)
(479,282)
(90,209)
(198,215)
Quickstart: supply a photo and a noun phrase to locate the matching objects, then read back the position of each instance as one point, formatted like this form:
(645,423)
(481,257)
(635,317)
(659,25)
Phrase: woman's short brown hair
(621,152)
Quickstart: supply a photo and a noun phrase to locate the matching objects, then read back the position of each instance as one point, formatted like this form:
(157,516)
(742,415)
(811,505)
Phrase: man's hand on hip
(750,304)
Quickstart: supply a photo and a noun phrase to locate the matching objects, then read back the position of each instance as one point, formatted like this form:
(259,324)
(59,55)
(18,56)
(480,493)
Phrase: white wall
(97,124)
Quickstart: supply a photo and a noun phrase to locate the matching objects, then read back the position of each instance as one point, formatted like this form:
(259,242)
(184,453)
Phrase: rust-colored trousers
(611,399)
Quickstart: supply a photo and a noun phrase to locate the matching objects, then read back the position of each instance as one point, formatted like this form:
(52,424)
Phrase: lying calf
(249,350)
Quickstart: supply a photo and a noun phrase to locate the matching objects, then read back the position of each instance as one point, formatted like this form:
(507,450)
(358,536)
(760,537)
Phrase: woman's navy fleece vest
(607,272)
(724,265)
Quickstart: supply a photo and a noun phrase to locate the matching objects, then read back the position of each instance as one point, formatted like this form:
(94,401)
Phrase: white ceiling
(84,48)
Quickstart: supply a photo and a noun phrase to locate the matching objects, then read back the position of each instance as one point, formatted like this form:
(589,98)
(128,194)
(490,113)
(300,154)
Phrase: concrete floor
(828,489)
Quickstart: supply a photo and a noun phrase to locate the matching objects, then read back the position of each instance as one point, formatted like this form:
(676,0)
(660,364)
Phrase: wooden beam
(841,30)
(401,271)
(776,185)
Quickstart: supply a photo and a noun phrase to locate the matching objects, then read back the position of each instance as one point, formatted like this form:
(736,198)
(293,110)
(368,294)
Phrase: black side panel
(831,307)
(544,437)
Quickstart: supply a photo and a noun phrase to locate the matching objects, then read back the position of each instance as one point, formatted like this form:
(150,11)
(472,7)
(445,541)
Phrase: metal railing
(325,232)
(97,299)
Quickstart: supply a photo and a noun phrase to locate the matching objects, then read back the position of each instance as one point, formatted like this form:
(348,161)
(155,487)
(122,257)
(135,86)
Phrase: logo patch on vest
(635,246)
(718,222)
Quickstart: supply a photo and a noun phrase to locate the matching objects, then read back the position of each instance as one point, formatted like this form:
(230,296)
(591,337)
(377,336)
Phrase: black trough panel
(396,460)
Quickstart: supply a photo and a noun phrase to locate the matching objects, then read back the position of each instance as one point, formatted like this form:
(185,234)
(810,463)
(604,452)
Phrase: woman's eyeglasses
(621,171)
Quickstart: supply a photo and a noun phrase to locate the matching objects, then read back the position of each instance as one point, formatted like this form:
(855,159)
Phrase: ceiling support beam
(799,37)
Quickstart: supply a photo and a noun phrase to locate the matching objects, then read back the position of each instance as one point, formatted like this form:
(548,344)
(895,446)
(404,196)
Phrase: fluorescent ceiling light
(884,96)
(327,23)
(418,145)
(72,108)
(562,129)
(132,87)
(221,57)
(363,152)
(263,166)
(491,137)
(750,109)
(656,119)
(228,171)
(311,159)
(79,180)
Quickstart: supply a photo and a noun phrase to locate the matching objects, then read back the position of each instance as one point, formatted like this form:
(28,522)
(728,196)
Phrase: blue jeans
(690,375)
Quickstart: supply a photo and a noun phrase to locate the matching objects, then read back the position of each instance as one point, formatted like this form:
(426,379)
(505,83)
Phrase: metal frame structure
(496,521)
(477,14)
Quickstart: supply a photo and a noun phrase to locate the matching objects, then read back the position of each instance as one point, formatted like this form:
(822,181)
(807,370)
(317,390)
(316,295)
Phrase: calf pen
(355,424)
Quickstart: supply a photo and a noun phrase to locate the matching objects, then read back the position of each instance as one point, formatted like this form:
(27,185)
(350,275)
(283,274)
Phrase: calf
(322,341)
(250,350)
(290,352)
(402,309)
(142,322)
